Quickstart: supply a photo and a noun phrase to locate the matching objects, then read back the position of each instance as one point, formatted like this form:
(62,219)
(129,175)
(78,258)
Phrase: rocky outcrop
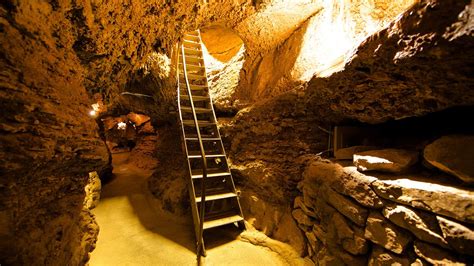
(380,256)
(420,64)
(383,233)
(423,226)
(342,225)
(434,255)
(454,155)
(458,236)
(388,160)
(445,200)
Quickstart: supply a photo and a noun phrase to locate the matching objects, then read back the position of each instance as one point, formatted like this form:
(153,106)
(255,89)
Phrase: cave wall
(421,63)
(350,217)
(372,88)
(54,56)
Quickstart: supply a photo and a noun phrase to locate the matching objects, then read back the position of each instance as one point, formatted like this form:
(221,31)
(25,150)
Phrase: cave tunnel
(286,132)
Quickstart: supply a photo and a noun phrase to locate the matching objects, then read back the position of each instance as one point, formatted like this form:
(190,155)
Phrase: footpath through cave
(134,231)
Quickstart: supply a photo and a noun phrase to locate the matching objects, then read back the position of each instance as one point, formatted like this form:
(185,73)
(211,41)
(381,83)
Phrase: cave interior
(334,132)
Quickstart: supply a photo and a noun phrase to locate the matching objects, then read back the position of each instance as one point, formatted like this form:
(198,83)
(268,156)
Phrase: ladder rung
(218,196)
(201,123)
(194,76)
(198,110)
(211,172)
(222,220)
(195,98)
(193,59)
(197,156)
(188,51)
(193,87)
(191,34)
(203,139)
(204,136)
(191,43)
(192,67)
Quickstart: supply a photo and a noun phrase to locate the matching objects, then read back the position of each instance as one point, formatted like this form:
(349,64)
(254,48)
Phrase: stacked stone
(352,218)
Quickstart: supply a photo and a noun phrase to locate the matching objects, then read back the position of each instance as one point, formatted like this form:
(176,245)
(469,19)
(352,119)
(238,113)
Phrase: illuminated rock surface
(389,160)
(453,155)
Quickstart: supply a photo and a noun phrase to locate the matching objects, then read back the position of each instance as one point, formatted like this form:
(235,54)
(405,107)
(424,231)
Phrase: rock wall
(267,146)
(419,64)
(54,55)
(354,218)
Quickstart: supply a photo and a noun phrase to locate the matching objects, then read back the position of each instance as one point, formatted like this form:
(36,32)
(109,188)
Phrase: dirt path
(134,232)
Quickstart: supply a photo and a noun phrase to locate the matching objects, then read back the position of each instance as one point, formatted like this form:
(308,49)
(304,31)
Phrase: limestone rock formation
(396,72)
(92,191)
(434,255)
(380,256)
(454,155)
(348,208)
(382,232)
(445,200)
(458,236)
(388,160)
(423,226)
(357,186)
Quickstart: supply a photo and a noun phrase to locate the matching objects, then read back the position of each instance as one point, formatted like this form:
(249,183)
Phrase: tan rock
(299,203)
(350,238)
(382,232)
(348,208)
(459,237)
(434,255)
(356,185)
(301,217)
(312,241)
(454,155)
(388,160)
(92,189)
(348,153)
(441,199)
(287,231)
(423,226)
(325,258)
(382,257)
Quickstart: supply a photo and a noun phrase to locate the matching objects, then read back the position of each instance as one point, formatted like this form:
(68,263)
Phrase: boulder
(351,238)
(312,241)
(423,226)
(287,231)
(356,185)
(434,255)
(459,237)
(348,208)
(299,203)
(348,153)
(450,201)
(454,155)
(382,232)
(324,257)
(301,218)
(382,257)
(388,160)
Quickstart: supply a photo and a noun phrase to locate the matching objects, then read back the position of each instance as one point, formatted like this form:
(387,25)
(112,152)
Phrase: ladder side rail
(200,246)
(192,193)
(215,121)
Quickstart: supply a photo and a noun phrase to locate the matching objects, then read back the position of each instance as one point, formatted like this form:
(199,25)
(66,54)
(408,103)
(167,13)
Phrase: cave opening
(328,132)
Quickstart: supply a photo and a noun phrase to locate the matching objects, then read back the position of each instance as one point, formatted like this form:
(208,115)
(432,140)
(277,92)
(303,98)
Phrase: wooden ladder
(214,200)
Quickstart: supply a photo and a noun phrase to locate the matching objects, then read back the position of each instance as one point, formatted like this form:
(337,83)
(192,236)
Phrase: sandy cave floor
(133,231)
